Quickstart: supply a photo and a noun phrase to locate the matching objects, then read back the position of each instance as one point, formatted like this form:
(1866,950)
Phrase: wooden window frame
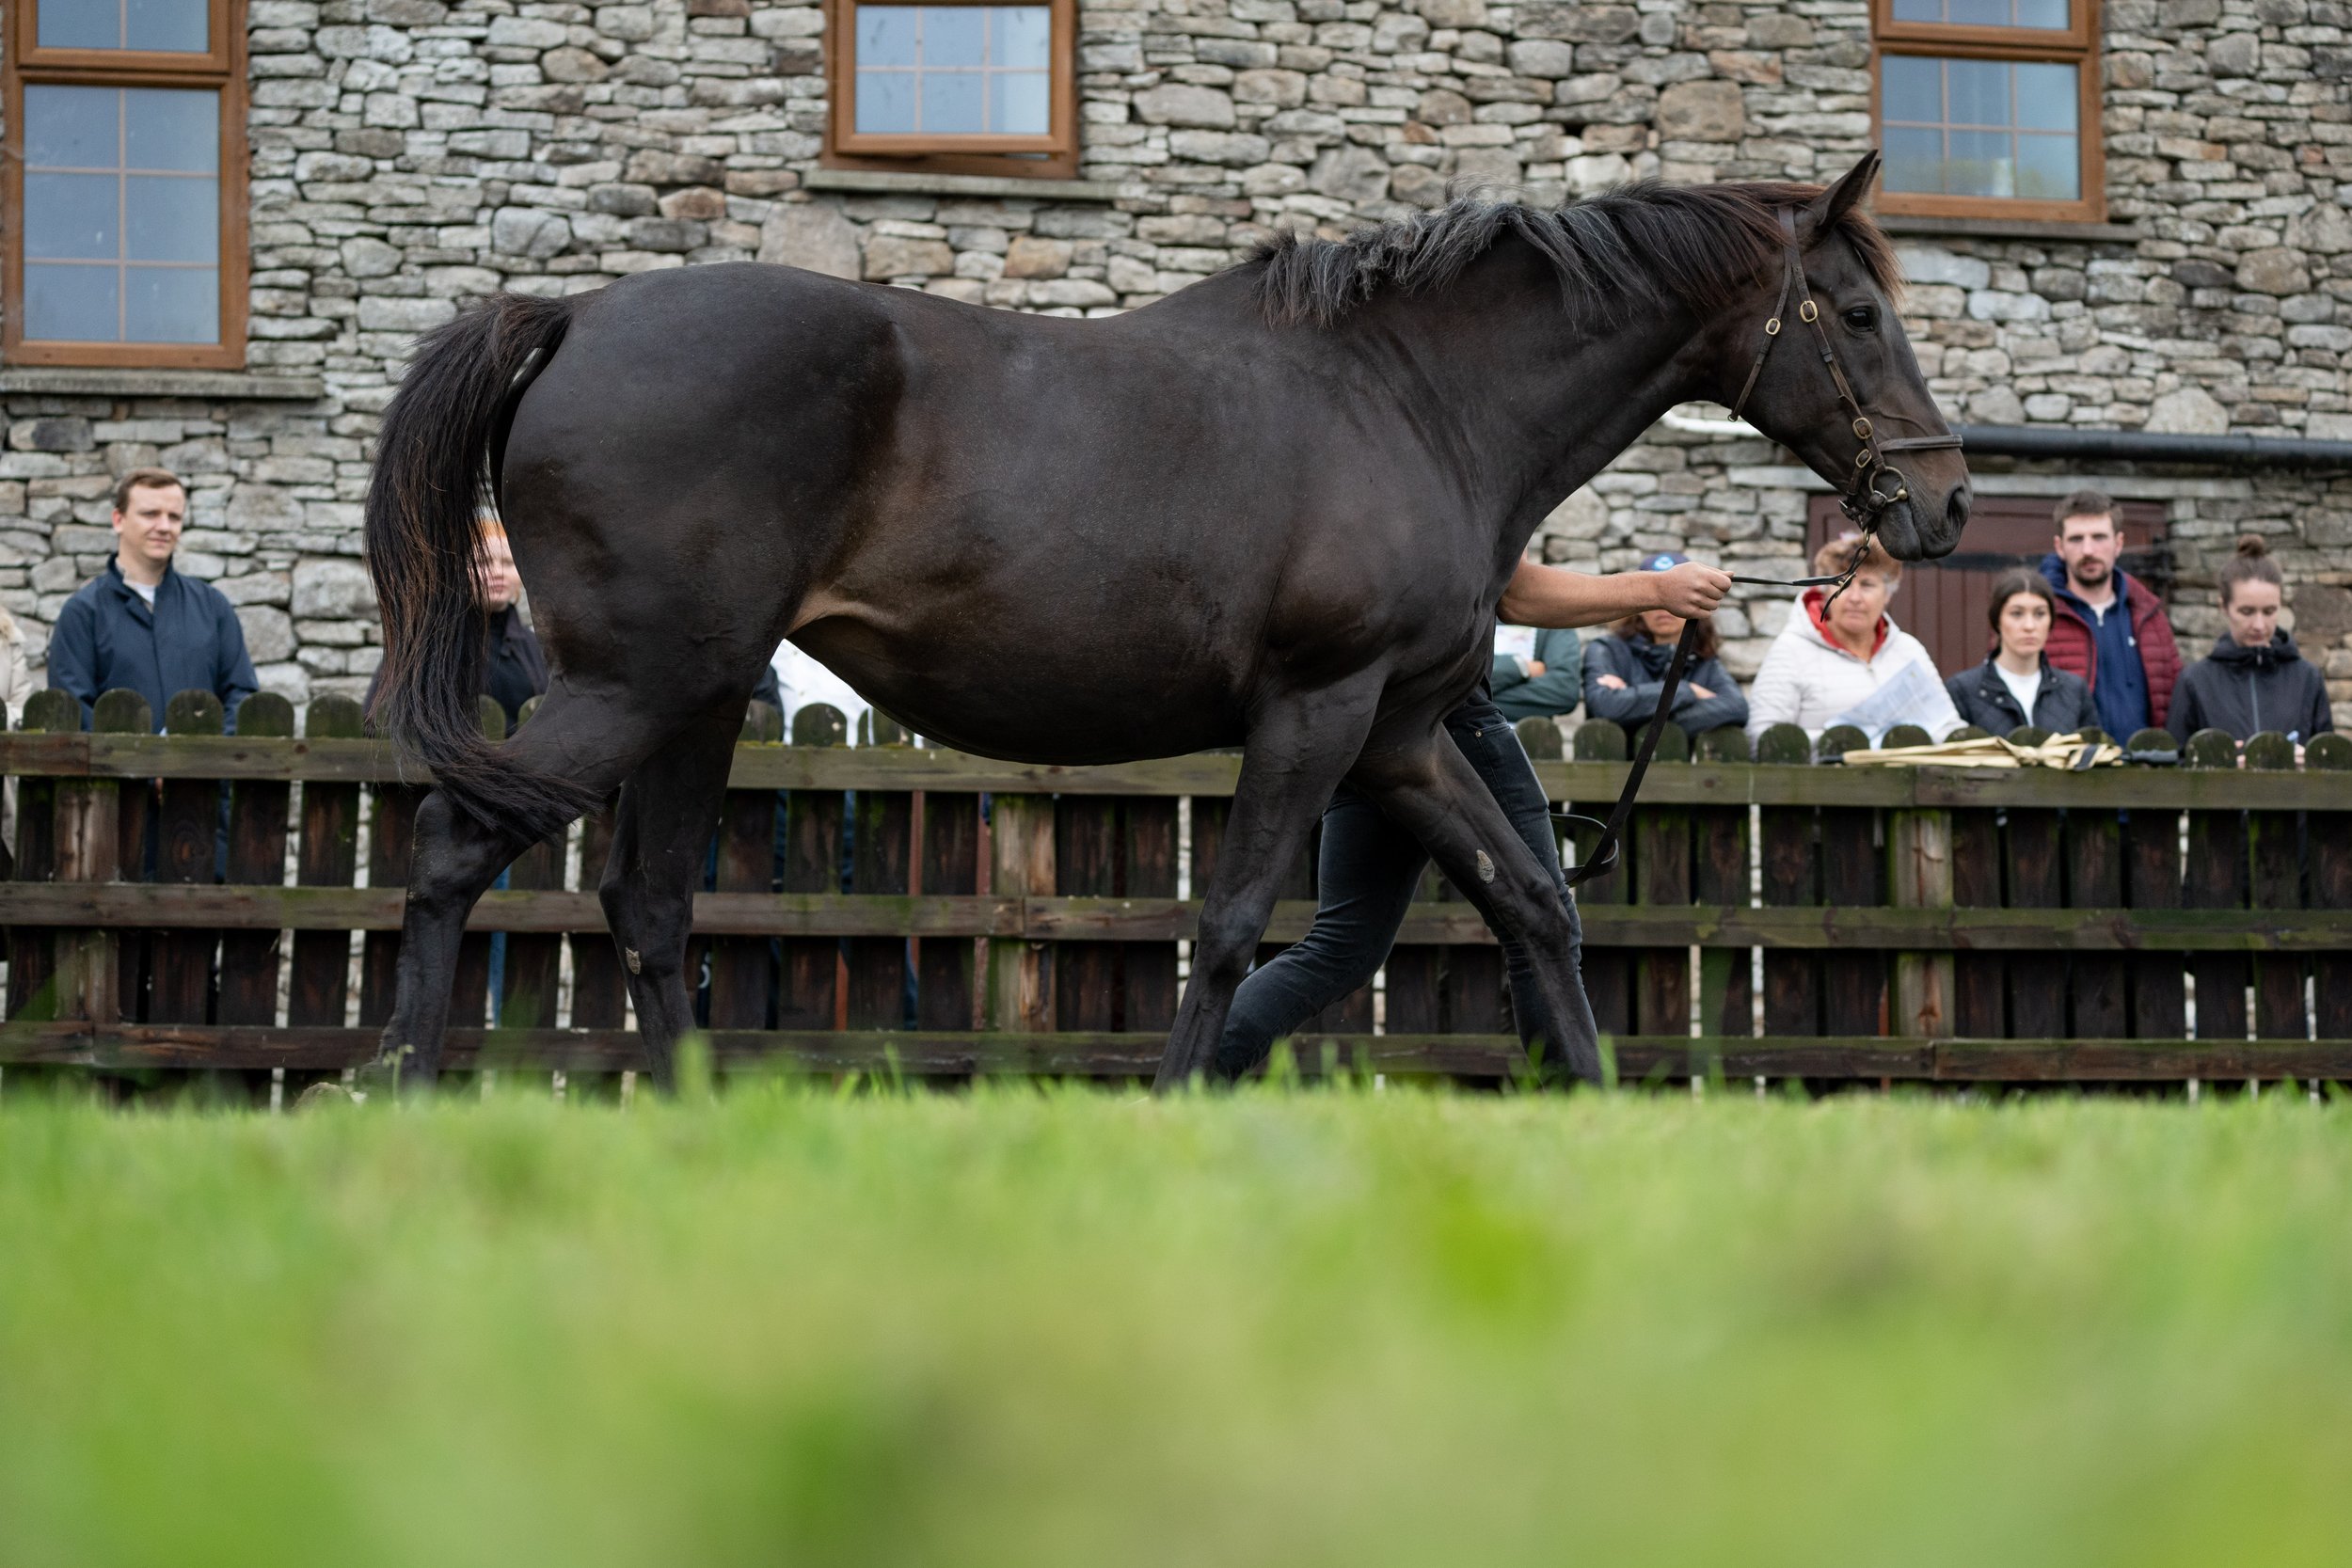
(1051,156)
(222,68)
(2078,46)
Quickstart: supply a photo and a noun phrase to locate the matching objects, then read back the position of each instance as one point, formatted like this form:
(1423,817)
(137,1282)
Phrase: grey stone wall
(408,153)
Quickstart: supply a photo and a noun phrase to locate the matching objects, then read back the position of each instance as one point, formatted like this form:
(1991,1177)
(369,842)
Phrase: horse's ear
(1840,198)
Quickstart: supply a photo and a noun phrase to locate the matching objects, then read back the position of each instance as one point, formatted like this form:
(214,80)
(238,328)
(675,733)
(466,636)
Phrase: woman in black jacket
(2015,686)
(1625,670)
(2255,679)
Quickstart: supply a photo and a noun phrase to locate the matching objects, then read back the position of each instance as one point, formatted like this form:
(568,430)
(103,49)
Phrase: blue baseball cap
(1664,561)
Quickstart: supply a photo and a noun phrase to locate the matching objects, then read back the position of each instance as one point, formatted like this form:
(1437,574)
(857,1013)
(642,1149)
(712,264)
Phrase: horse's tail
(432,479)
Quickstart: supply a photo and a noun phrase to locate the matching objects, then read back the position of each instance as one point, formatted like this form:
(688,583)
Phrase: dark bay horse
(1275,510)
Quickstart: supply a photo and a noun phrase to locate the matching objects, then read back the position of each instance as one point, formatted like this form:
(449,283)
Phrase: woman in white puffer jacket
(1847,662)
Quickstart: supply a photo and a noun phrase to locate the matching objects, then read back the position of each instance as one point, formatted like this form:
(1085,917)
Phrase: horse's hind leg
(668,811)
(1298,750)
(455,857)
(1426,785)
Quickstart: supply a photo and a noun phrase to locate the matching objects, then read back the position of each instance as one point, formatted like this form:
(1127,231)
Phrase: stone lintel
(111,381)
(887,182)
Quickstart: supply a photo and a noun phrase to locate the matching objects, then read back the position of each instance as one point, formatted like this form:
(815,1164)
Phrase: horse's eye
(1863,318)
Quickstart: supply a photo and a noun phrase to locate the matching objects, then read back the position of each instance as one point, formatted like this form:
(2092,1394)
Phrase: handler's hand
(1691,590)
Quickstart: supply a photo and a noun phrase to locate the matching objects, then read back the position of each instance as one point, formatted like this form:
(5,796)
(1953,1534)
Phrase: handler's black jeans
(1366,872)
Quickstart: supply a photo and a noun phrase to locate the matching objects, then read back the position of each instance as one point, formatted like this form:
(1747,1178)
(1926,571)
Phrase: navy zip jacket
(2061,703)
(2247,690)
(1642,665)
(106,637)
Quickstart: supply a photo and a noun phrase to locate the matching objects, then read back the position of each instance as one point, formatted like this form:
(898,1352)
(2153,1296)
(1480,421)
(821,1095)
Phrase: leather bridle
(1875,486)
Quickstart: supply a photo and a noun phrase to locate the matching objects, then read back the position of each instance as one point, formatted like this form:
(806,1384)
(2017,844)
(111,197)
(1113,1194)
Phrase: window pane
(172,305)
(955,36)
(1980,91)
(1981,164)
(169,128)
(2046,98)
(1986,13)
(886,35)
(955,70)
(1918,10)
(1022,105)
(170,219)
(74,304)
(885,101)
(81,23)
(1023,35)
(73,127)
(72,216)
(1976,13)
(2043,14)
(1914,160)
(1912,89)
(2049,168)
(951,101)
(176,26)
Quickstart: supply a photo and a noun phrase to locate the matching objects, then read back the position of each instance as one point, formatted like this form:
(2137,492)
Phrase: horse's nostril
(1956,509)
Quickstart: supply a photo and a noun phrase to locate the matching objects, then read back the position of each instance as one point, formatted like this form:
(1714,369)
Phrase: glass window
(122,220)
(165,26)
(2049,14)
(1984,128)
(954,70)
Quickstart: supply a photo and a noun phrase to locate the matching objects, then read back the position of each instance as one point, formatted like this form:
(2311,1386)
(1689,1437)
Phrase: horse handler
(1368,866)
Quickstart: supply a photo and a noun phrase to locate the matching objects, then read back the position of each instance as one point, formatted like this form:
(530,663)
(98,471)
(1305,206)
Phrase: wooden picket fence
(194,900)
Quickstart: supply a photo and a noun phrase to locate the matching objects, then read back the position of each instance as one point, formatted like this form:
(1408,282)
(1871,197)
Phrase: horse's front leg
(1299,749)
(1425,783)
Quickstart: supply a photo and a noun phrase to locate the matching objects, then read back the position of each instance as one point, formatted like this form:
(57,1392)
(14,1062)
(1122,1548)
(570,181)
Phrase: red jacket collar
(1816,602)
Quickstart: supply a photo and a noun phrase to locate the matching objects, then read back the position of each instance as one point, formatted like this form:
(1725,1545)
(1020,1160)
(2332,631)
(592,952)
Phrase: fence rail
(194,899)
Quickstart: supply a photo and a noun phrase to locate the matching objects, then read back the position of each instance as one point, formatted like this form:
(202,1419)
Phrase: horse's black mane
(1646,243)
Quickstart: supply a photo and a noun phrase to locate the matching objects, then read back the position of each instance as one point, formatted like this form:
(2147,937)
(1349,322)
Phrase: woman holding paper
(1847,662)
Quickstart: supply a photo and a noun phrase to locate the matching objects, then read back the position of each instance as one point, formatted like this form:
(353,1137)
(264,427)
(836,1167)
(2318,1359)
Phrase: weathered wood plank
(881,862)
(257,856)
(742,982)
(2274,867)
(2214,880)
(2329,836)
(327,855)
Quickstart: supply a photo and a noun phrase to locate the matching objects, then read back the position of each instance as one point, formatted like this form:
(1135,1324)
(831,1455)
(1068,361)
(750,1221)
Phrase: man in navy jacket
(144,626)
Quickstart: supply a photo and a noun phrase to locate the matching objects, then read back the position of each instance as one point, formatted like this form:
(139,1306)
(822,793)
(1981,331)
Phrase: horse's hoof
(324,1094)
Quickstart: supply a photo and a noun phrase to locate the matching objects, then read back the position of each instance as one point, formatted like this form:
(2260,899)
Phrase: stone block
(2274,271)
(890,256)
(1182,103)
(1709,111)
(530,231)
(333,590)
(379,314)
(1031,256)
(1352,174)
(811,234)
(2190,411)
(268,633)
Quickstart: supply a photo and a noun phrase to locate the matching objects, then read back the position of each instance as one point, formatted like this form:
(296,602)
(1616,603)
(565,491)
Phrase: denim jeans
(1366,873)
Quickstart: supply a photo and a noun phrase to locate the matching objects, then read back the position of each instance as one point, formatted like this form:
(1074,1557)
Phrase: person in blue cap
(1624,668)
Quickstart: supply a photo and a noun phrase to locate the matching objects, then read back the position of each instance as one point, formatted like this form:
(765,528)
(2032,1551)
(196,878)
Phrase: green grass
(1024,1327)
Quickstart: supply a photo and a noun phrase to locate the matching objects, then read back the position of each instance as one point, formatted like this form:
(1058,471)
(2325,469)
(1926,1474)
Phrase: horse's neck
(1539,396)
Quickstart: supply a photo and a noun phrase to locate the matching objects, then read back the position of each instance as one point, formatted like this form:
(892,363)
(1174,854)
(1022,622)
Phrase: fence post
(527,989)
(2100,988)
(808,993)
(1719,836)
(2035,873)
(2215,880)
(1662,875)
(881,862)
(1853,985)
(33,949)
(1148,864)
(1979,1006)
(1792,976)
(1607,970)
(327,855)
(89,849)
(249,961)
(186,823)
(945,991)
(2275,881)
(2330,835)
(1919,877)
(2151,880)
(1021,972)
(1086,865)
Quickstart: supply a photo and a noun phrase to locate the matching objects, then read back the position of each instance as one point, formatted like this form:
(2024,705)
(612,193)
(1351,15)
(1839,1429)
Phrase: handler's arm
(1553,597)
